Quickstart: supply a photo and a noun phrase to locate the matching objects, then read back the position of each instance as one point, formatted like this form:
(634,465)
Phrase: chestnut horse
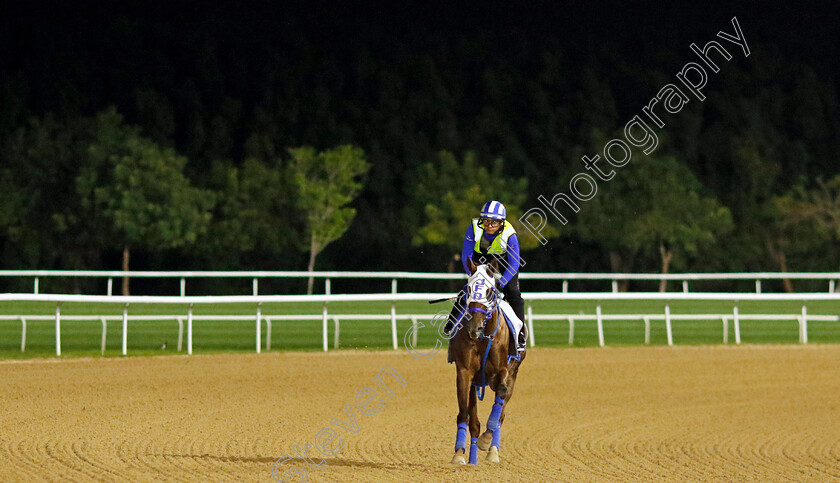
(480,348)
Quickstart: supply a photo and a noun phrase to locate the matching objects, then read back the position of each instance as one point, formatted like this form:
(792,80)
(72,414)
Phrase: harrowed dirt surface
(748,413)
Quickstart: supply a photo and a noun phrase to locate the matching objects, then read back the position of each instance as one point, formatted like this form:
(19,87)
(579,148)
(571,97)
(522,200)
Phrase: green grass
(82,338)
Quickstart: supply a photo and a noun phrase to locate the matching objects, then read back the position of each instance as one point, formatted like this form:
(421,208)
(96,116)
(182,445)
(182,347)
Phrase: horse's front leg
(475,427)
(464,378)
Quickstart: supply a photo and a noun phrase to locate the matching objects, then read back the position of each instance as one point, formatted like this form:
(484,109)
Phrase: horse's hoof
(459,459)
(493,455)
(484,440)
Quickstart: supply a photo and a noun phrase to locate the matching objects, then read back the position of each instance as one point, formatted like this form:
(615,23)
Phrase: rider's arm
(468,248)
(512,260)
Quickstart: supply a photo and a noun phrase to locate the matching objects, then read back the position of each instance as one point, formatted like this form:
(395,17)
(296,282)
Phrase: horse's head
(482,298)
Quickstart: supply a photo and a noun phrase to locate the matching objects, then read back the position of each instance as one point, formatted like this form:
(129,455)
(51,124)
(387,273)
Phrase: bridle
(477,287)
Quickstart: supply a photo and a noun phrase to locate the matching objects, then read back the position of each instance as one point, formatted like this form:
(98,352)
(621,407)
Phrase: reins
(479,388)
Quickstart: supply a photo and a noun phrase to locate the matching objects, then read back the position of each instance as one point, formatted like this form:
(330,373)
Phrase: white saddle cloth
(511,315)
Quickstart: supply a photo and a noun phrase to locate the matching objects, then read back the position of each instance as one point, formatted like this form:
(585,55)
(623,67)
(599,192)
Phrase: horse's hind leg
(491,436)
(494,423)
(485,439)
(510,383)
(492,439)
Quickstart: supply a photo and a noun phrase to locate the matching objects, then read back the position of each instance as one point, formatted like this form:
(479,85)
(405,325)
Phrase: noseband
(487,316)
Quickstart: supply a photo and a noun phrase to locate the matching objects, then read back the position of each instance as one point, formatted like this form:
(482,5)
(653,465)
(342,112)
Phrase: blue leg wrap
(497,437)
(474,451)
(461,437)
(495,415)
(479,392)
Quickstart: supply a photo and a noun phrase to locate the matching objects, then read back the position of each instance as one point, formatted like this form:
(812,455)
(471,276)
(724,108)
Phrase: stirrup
(521,340)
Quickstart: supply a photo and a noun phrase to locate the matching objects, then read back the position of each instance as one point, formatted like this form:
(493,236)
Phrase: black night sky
(536,87)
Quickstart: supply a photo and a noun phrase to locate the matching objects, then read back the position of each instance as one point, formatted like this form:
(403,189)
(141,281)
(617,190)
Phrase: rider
(488,236)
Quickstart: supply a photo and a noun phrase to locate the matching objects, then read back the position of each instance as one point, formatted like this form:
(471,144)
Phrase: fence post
(394,315)
(125,330)
(22,334)
(337,331)
(259,327)
(189,330)
(110,286)
(256,286)
(647,330)
(531,325)
(685,286)
(36,286)
(803,326)
(831,286)
(104,331)
(58,329)
(324,315)
(414,331)
(615,286)
(565,286)
(324,323)
(668,325)
(180,333)
(736,324)
(571,331)
(725,330)
(268,333)
(600,325)
(183,286)
(758,286)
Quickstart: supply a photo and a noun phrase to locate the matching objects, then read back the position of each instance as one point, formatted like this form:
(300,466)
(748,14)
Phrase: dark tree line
(220,100)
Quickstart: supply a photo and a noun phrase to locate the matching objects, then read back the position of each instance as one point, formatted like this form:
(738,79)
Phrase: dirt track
(685,413)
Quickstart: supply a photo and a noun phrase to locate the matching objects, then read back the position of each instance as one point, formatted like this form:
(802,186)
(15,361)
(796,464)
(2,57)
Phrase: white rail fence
(735,317)
(685,278)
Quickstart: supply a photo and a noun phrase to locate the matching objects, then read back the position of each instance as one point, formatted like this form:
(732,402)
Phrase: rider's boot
(521,340)
(450,323)
(454,315)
